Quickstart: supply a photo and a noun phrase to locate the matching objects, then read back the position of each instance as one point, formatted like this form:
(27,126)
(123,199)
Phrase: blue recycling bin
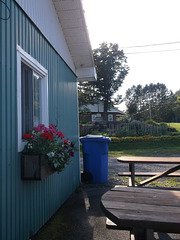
(95,157)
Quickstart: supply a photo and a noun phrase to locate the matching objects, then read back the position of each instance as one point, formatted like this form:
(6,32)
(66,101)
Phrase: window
(32,92)
(110,117)
(93,117)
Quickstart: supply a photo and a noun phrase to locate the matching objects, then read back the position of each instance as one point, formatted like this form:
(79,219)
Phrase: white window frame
(24,57)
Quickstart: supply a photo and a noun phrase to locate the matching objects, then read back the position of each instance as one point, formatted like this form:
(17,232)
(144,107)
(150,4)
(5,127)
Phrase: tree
(86,94)
(152,101)
(176,107)
(133,100)
(112,68)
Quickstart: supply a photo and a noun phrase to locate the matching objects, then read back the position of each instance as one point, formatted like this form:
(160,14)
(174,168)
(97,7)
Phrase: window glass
(27,98)
(30,93)
(36,101)
(110,117)
(93,117)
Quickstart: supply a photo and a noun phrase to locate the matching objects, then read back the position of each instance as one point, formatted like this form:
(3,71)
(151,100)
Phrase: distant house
(95,113)
(44,46)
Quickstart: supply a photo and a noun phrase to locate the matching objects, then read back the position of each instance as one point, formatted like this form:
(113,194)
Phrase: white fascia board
(86,74)
(44,16)
(63,24)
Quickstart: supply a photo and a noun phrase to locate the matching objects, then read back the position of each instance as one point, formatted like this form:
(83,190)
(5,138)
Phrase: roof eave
(73,23)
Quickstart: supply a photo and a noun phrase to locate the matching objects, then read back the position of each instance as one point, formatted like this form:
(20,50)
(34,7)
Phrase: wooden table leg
(131,178)
(132,237)
(142,234)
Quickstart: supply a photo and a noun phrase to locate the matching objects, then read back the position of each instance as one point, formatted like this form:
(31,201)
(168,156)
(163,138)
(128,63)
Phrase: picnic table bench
(149,160)
(143,210)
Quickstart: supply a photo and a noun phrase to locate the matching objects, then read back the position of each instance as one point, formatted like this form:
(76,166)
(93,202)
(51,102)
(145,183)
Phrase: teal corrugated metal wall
(26,205)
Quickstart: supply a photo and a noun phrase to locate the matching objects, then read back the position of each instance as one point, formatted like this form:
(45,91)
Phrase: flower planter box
(35,167)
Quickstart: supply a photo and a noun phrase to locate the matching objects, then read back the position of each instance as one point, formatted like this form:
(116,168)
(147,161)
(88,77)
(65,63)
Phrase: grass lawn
(170,151)
(175,125)
(169,148)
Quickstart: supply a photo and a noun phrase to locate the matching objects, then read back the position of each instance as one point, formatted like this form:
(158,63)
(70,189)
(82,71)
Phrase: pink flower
(39,128)
(45,129)
(52,130)
(60,134)
(52,126)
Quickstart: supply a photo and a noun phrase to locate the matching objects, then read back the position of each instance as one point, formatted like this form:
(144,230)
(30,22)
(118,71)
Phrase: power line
(169,50)
(150,45)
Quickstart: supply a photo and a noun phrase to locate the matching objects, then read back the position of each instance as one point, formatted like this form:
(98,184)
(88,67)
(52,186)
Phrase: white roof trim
(72,20)
(86,74)
(63,24)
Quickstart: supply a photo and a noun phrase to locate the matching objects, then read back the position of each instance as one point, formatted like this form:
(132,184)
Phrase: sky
(131,23)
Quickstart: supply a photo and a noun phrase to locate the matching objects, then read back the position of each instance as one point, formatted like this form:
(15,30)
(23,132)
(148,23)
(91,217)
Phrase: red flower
(65,141)
(28,136)
(47,135)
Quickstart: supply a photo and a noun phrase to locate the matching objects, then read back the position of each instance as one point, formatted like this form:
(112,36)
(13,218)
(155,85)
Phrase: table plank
(139,159)
(151,196)
(142,207)
(151,208)
(146,190)
(147,174)
(143,199)
(145,219)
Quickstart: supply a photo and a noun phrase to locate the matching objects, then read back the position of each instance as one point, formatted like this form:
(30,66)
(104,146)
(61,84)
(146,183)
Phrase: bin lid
(92,138)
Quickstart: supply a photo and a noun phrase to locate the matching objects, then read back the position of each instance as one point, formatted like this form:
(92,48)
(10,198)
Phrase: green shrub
(147,138)
(163,124)
(117,144)
(137,128)
(171,129)
(151,122)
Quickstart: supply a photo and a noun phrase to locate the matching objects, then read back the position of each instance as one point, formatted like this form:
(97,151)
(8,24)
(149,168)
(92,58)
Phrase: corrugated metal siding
(47,21)
(26,205)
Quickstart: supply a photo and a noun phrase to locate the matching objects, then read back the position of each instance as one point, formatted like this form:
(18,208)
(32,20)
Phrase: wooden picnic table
(143,210)
(149,160)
